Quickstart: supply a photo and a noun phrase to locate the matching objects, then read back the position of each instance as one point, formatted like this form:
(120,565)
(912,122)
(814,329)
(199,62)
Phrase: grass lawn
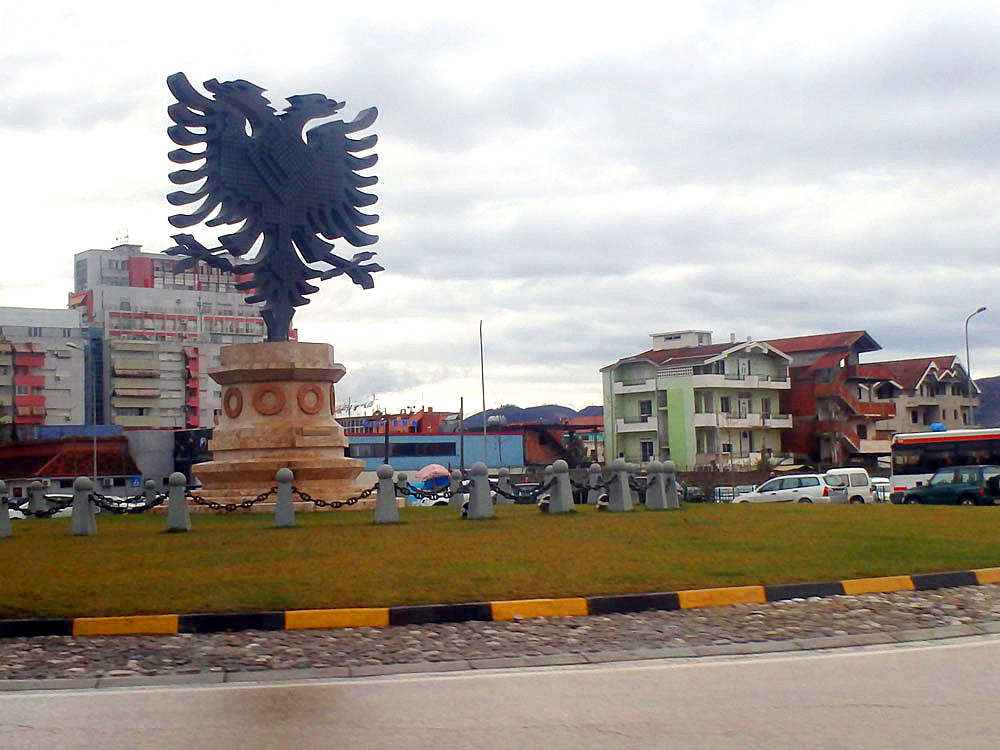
(340,559)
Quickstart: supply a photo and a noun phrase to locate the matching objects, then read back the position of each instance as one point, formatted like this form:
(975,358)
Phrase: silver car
(797,488)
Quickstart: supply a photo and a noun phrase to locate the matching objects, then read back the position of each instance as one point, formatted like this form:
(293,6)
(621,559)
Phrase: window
(645,408)
(727,447)
(915,416)
(808,482)
(34,331)
(770,486)
(646,449)
(124,304)
(765,407)
(67,333)
(863,431)
(724,404)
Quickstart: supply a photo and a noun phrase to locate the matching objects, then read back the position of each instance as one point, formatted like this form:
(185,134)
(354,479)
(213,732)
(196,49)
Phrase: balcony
(737,421)
(778,421)
(633,386)
(777,382)
(635,424)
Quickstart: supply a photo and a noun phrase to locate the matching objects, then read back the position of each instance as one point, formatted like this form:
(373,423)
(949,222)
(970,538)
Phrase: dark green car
(955,485)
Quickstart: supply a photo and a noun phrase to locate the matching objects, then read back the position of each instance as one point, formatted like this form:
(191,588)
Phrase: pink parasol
(430,471)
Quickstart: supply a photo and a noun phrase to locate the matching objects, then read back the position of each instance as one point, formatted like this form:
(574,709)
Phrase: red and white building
(156,332)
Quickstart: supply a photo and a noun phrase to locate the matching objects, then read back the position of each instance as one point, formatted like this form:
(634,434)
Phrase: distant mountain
(988,413)
(547,414)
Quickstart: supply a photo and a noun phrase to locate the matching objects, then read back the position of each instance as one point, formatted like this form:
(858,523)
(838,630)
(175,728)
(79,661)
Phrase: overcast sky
(576,179)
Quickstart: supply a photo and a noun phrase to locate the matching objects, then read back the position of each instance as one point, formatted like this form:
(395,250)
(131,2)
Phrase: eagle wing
(226,168)
(335,196)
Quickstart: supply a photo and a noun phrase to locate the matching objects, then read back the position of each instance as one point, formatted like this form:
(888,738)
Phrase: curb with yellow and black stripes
(482,611)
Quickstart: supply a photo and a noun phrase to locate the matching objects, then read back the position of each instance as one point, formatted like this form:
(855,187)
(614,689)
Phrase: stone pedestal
(278,403)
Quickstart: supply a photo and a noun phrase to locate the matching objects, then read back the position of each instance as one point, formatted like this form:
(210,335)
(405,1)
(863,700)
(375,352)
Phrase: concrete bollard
(656,496)
(633,472)
(593,479)
(480,502)
(36,497)
(149,492)
(82,523)
(670,485)
(619,493)
(178,516)
(5,529)
(284,512)
(562,493)
(455,488)
(401,487)
(503,483)
(386,507)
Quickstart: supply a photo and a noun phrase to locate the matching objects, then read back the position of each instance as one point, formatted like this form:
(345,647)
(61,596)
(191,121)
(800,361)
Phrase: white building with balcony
(696,403)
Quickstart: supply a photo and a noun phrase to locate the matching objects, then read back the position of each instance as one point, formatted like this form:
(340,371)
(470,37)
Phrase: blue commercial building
(413,452)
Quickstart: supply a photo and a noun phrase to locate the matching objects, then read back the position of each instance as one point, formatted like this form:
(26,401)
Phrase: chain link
(333,503)
(127,504)
(230,507)
(532,495)
(416,492)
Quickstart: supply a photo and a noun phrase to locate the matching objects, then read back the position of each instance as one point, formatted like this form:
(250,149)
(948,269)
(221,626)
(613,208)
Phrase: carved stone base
(278,402)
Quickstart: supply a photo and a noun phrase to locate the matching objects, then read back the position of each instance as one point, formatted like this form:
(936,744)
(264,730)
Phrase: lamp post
(93,401)
(968,364)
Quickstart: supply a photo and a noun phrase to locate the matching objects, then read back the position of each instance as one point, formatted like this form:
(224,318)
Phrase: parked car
(727,494)
(955,485)
(525,488)
(858,483)
(797,488)
(691,494)
(883,489)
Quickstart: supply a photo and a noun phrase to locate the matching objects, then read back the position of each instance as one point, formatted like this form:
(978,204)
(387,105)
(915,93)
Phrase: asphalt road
(936,695)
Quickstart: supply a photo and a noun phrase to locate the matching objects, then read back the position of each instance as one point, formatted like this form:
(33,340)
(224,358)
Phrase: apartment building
(156,331)
(697,403)
(41,369)
(924,391)
(831,399)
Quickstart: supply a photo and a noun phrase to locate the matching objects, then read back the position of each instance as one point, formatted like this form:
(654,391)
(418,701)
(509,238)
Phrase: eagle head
(244,96)
(310,106)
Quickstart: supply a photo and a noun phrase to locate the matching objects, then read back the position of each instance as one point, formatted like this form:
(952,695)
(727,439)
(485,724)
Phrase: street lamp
(968,364)
(93,391)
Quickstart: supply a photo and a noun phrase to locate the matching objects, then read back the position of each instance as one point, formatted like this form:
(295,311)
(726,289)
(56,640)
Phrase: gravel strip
(248,651)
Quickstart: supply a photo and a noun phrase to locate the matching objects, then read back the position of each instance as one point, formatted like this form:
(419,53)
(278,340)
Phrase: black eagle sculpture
(291,190)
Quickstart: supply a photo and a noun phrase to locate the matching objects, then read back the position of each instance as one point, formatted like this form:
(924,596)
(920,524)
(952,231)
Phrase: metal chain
(230,507)
(48,512)
(123,505)
(532,495)
(598,486)
(111,499)
(416,492)
(635,486)
(333,503)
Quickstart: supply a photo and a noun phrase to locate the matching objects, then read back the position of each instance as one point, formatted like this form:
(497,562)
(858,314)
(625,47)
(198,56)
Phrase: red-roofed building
(831,402)
(697,403)
(924,390)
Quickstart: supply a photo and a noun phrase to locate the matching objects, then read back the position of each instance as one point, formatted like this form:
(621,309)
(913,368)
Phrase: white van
(858,484)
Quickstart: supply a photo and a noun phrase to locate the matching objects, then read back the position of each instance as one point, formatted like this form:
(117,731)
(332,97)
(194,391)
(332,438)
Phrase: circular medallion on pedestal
(232,402)
(310,398)
(268,399)
(333,400)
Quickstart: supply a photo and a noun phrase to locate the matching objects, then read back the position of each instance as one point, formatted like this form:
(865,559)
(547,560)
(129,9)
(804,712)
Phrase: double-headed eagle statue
(289,191)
